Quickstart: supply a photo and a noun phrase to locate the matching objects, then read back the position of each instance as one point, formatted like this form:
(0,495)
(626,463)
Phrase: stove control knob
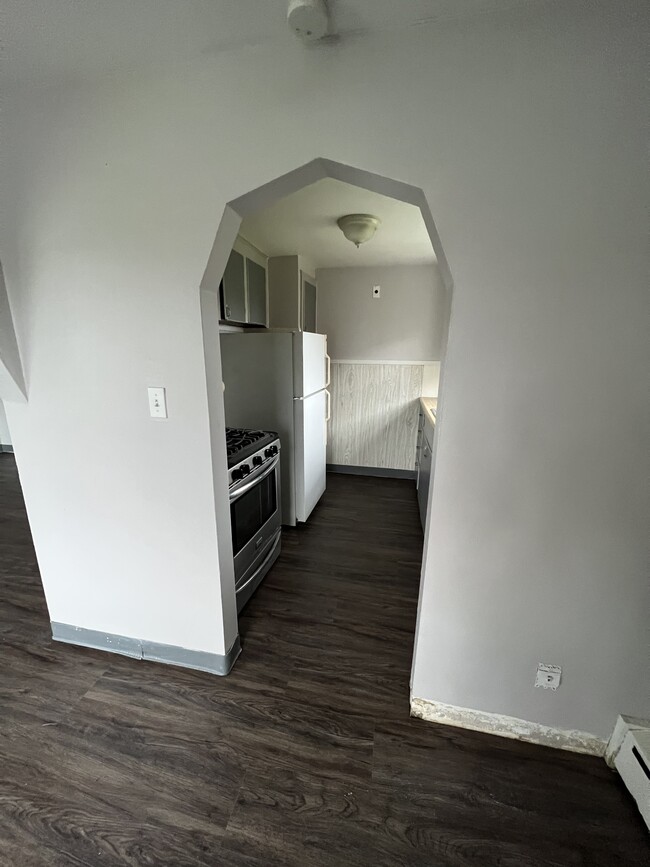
(274,450)
(268,453)
(237,475)
(258,460)
(245,469)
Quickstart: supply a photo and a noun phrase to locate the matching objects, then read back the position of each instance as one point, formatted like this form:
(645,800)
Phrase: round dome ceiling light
(358,228)
(308,19)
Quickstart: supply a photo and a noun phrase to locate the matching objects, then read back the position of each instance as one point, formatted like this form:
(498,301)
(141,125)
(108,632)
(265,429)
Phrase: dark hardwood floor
(305,755)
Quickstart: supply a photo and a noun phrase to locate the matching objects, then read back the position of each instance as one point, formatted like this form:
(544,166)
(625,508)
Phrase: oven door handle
(239,492)
(274,544)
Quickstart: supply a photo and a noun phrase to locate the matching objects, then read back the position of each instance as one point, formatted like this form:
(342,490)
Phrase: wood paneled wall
(374,414)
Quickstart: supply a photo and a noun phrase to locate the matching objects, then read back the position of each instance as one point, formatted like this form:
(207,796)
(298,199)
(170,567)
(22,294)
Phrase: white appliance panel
(310,443)
(311,364)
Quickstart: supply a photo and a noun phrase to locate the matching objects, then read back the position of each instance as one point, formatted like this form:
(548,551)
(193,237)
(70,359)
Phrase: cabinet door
(256,279)
(418,448)
(308,306)
(424,479)
(233,289)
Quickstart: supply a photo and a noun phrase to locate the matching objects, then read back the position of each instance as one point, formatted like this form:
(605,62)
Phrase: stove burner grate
(241,442)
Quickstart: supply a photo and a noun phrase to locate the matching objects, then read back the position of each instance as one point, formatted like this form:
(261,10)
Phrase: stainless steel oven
(255,518)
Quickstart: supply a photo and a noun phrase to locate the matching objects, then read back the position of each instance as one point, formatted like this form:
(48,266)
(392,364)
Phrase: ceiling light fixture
(358,228)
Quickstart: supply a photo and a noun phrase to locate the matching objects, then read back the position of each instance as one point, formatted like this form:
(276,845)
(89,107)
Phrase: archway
(237,210)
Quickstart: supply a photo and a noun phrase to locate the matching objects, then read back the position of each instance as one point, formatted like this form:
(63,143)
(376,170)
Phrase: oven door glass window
(251,511)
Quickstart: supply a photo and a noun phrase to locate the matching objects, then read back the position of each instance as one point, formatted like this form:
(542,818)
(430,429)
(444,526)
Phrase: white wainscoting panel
(374,414)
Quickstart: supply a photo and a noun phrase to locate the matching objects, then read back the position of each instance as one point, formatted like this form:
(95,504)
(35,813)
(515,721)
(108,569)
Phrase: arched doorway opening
(241,209)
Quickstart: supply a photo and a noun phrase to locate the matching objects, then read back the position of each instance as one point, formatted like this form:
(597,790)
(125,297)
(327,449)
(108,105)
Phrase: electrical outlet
(157,403)
(548,676)
(376,291)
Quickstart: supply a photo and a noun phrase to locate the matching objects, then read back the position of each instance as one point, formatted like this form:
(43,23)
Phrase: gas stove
(255,513)
(248,450)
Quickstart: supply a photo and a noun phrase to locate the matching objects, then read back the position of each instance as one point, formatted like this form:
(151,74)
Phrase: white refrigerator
(278,380)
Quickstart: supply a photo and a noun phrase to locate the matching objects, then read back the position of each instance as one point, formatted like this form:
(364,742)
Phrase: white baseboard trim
(508,727)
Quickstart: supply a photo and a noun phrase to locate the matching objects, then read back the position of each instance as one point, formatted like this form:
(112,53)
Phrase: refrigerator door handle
(329,405)
(329,370)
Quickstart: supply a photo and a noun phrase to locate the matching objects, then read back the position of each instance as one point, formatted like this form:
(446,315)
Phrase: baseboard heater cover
(378,472)
(628,751)
(508,727)
(137,648)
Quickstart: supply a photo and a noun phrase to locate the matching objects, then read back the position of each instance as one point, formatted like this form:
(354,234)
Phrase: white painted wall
(525,131)
(5,436)
(406,323)
(103,271)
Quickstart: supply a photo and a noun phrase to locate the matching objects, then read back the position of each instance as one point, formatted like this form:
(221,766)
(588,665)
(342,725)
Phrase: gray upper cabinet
(256,281)
(243,291)
(308,305)
(233,289)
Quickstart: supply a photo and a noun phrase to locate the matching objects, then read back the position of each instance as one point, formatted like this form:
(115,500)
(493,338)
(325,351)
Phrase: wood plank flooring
(305,755)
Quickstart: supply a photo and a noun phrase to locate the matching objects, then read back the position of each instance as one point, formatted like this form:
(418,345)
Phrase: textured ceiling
(305,223)
(63,40)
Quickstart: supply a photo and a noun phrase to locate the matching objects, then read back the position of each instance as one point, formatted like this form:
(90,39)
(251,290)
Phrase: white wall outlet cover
(157,403)
(548,676)
(376,291)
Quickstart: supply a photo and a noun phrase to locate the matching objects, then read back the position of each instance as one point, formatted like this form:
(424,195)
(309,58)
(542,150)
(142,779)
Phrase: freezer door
(310,363)
(310,415)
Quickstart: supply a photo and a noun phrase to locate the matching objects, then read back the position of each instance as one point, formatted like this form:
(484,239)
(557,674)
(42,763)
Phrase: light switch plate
(157,403)
(548,676)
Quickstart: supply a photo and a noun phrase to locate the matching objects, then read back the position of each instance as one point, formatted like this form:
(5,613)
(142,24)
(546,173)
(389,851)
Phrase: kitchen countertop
(430,407)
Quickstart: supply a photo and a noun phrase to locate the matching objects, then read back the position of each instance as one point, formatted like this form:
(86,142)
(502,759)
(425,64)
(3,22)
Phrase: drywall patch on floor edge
(170,654)
(508,727)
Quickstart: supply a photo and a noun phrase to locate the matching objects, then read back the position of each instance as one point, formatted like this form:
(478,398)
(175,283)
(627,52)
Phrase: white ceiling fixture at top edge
(308,19)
